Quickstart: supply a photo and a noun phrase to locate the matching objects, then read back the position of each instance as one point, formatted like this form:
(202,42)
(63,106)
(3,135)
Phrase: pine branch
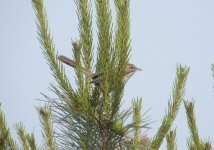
(31,141)
(20,129)
(78,127)
(77,59)
(177,96)
(103,66)
(104,34)
(47,126)
(190,144)
(83,93)
(137,105)
(3,142)
(194,142)
(207,145)
(189,106)
(122,39)
(120,53)
(6,140)
(171,143)
(49,49)
(104,48)
(85,29)
(139,122)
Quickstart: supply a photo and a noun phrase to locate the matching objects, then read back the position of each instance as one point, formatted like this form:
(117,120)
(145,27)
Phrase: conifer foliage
(88,116)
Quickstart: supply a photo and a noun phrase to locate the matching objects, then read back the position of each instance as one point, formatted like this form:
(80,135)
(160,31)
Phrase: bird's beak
(138,69)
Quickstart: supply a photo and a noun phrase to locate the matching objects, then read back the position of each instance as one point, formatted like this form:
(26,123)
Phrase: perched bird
(129,71)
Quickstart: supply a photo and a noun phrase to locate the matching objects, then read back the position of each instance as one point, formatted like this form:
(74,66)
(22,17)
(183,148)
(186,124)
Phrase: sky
(164,33)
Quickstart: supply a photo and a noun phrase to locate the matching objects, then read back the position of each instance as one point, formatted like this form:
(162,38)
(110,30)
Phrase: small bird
(129,71)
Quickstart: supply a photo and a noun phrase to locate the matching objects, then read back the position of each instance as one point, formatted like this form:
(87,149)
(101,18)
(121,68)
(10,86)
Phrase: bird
(129,70)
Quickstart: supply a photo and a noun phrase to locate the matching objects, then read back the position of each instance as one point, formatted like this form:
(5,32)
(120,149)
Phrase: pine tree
(88,116)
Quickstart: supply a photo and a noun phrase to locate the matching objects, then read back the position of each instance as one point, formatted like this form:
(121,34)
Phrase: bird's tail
(71,63)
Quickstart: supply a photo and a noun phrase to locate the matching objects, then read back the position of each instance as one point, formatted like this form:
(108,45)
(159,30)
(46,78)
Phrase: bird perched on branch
(129,71)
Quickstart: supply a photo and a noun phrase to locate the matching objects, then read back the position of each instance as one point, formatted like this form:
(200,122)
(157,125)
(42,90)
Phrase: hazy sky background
(163,32)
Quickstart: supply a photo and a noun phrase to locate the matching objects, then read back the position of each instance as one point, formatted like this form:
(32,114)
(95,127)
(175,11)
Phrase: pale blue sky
(163,33)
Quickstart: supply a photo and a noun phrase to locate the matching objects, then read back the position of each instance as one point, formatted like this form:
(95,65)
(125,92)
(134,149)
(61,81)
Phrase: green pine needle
(173,106)
(171,140)
(47,126)
(49,49)
(6,140)
(20,129)
(137,105)
(189,106)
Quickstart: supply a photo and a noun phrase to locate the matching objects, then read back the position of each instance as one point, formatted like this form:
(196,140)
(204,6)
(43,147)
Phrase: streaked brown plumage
(129,71)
